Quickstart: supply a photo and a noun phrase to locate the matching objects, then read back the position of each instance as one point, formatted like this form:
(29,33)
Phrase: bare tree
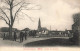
(11,10)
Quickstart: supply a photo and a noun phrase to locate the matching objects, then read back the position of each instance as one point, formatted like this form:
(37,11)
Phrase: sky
(54,13)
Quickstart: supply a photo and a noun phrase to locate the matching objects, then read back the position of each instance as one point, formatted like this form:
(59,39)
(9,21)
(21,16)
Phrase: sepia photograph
(40,23)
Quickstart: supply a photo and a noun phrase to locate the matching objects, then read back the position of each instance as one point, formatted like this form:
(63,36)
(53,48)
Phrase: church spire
(39,24)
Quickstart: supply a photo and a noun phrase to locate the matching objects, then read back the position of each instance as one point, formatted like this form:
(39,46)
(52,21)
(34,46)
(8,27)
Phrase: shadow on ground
(51,42)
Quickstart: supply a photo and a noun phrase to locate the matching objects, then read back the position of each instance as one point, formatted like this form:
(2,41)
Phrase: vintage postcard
(40,25)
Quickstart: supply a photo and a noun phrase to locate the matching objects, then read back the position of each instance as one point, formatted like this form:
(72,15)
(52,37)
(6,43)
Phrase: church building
(41,30)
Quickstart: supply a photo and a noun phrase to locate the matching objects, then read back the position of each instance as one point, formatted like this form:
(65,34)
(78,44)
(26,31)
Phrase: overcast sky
(54,13)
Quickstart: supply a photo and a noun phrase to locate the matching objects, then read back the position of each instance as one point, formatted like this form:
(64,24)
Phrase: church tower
(39,25)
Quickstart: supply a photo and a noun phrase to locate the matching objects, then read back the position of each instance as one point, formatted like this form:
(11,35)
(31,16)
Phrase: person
(21,36)
(34,33)
(15,36)
(25,35)
(4,36)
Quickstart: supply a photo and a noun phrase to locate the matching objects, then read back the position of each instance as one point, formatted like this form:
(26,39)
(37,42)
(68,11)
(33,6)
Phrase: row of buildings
(41,31)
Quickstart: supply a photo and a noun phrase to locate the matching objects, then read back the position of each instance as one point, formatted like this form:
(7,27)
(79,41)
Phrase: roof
(44,28)
(6,29)
(27,29)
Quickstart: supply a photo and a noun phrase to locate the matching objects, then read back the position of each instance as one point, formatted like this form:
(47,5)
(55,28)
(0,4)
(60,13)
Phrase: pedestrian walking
(25,35)
(21,36)
(34,33)
(15,36)
(4,36)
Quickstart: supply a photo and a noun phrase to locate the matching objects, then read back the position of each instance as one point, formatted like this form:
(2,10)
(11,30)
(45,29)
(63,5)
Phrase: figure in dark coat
(21,36)
(15,36)
(34,33)
(25,35)
(4,36)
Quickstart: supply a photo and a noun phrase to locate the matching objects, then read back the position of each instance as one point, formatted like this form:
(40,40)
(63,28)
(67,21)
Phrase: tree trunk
(10,32)
(11,21)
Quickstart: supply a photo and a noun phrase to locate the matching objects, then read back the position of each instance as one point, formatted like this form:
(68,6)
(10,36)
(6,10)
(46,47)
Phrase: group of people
(22,36)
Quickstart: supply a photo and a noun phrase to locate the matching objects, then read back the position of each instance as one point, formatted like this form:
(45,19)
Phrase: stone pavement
(17,42)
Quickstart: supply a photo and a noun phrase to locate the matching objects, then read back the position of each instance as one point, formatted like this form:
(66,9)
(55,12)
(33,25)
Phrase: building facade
(76,29)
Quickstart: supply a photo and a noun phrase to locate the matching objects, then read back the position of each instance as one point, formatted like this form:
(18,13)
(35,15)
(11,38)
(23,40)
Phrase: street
(41,41)
(52,42)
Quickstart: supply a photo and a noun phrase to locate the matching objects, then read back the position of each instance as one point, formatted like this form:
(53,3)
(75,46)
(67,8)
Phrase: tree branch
(18,11)
(4,14)
(28,16)
(7,2)
(18,3)
(24,7)
(33,8)
(4,20)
